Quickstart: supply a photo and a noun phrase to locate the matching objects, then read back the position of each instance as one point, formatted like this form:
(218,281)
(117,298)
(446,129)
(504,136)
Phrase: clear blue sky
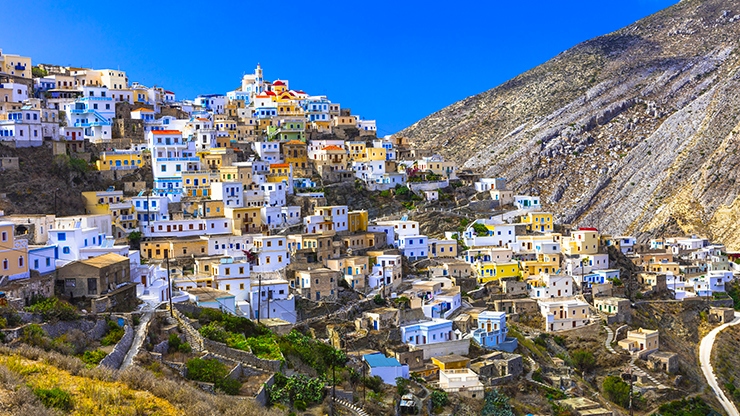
(393,61)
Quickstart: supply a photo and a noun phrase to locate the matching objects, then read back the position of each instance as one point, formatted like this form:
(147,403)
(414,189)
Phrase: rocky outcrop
(632,132)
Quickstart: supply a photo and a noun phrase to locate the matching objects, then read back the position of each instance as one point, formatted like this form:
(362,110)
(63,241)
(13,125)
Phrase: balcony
(129,217)
(20,68)
(124,167)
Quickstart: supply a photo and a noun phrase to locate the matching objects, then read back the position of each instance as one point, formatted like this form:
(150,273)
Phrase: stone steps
(353,408)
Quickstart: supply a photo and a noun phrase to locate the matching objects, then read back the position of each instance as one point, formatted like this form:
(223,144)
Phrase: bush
(402,386)
(496,404)
(228,386)
(115,333)
(300,405)
(617,391)
(185,348)
(54,309)
(93,357)
(385,193)
(295,389)
(174,342)
(316,355)
(694,406)
(374,383)
(583,360)
(209,370)
(439,399)
(379,300)
(54,398)
(480,229)
(215,332)
(35,336)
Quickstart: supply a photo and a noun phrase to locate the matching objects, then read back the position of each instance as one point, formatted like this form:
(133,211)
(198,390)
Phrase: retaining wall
(115,358)
(261,396)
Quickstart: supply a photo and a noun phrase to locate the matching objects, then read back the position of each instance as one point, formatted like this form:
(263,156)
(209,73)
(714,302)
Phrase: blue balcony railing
(20,68)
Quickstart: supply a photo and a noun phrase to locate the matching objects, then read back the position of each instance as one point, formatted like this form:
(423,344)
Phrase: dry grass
(137,390)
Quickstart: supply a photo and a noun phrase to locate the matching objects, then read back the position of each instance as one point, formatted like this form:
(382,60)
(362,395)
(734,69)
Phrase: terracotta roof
(301,92)
(202,119)
(142,109)
(332,147)
(270,93)
(294,142)
(169,92)
(166,132)
(278,83)
(279,165)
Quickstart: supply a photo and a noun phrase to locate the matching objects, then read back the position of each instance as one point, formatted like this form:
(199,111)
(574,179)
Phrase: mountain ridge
(635,131)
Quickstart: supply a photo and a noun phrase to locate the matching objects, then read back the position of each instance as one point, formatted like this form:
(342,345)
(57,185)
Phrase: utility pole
(55,201)
(333,383)
(169,284)
(363,384)
(259,298)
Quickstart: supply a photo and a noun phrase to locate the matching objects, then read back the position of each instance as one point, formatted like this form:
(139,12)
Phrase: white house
(272,299)
(547,286)
(415,247)
(527,202)
(564,314)
(428,332)
(387,368)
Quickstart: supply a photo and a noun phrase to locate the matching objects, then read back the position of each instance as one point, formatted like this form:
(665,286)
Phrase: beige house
(640,340)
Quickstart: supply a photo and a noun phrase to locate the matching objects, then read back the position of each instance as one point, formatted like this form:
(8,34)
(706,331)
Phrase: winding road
(705,355)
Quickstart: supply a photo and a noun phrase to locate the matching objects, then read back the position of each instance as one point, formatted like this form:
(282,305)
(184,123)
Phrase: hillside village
(218,243)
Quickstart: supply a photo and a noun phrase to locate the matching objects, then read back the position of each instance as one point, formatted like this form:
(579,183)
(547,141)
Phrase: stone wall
(115,358)
(460,347)
(261,397)
(120,300)
(198,343)
(127,128)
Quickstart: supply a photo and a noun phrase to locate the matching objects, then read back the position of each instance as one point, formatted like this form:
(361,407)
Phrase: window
(241,286)
(65,250)
(228,287)
(5,235)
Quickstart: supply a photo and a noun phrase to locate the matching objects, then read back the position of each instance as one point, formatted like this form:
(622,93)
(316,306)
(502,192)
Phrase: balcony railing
(129,217)
(20,68)
(124,167)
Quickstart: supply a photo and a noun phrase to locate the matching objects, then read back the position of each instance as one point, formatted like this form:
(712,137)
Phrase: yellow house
(13,253)
(583,241)
(546,263)
(120,160)
(174,248)
(442,248)
(451,362)
(111,202)
(238,173)
(357,221)
(295,153)
(20,66)
(281,172)
(245,220)
(489,272)
(356,149)
(198,182)
(538,221)
(374,153)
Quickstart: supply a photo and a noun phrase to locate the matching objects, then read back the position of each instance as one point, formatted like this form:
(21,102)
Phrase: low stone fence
(115,358)
(199,343)
(498,381)
(261,396)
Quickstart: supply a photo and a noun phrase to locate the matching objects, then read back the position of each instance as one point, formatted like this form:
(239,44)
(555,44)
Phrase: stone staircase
(351,407)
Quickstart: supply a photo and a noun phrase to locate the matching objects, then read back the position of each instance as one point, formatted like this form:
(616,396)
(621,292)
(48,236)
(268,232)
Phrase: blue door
(375,325)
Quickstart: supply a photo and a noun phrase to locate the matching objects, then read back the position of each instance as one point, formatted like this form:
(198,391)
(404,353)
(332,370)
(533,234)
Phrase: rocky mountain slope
(634,132)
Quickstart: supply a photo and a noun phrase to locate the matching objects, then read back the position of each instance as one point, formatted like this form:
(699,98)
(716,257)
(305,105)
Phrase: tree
(134,238)
(617,391)
(402,386)
(583,360)
(480,229)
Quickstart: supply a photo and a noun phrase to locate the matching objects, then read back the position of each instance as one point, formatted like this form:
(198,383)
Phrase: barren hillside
(633,132)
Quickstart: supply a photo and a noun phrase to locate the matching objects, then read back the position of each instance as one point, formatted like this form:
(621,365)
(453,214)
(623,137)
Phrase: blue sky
(392,61)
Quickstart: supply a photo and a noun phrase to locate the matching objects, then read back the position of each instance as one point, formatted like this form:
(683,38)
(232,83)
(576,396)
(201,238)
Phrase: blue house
(492,331)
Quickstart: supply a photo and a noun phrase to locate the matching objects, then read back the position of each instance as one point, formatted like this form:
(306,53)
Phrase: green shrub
(385,193)
(496,404)
(439,399)
(617,390)
(583,360)
(402,386)
(215,332)
(694,406)
(300,405)
(379,300)
(209,370)
(185,348)
(174,342)
(228,386)
(374,383)
(115,333)
(54,309)
(93,357)
(295,389)
(35,336)
(54,398)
